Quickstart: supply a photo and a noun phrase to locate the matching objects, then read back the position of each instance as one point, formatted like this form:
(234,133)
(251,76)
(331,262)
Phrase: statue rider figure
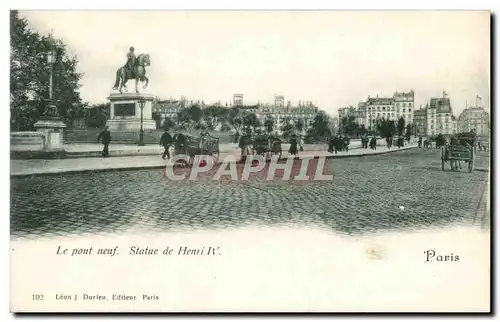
(131,62)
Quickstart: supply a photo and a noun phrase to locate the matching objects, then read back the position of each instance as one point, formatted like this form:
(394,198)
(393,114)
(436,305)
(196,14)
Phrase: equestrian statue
(135,68)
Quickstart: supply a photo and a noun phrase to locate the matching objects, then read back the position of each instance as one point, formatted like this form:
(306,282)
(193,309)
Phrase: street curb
(117,154)
(152,167)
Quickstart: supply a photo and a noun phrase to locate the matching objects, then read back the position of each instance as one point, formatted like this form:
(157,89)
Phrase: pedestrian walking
(301,143)
(166,142)
(337,143)
(330,144)
(105,138)
(293,145)
(346,143)
(373,143)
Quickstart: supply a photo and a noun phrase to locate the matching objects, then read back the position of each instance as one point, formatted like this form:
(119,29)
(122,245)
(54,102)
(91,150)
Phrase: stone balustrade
(27,141)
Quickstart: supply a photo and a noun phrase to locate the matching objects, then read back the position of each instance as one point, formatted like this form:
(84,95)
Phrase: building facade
(401,104)
(474,118)
(436,118)
(168,108)
(303,112)
(420,122)
(440,119)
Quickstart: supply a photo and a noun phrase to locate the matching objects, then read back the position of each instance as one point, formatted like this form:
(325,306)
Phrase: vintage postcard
(250,161)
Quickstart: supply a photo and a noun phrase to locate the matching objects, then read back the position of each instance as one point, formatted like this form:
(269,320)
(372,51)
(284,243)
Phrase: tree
(361,129)
(386,128)
(97,115)
(269,124)
(195,113)
(408,130)
(300,125)
(214,116)
(29,76)
(319,128)
(168,124)
(401,126)
(349,125)
(250,120)
(235,118)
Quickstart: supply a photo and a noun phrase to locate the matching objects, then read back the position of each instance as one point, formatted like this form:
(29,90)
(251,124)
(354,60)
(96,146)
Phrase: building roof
(421,112)
(442,105)
(465,113)
(409,94)
(379,100)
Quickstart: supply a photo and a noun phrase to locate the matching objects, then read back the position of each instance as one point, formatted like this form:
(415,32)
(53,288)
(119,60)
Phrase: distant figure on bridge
(373,143)
(166,142)
(301,143)
(346,144)
(364,141)
(180,142)
(293,145)
(337,143)
(105,137)
(331,143)
(400,142)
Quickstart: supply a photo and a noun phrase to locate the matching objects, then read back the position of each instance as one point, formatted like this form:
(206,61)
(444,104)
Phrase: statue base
(52,129)
(126,110)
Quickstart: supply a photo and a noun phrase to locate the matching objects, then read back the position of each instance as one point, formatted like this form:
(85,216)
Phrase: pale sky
(333,58)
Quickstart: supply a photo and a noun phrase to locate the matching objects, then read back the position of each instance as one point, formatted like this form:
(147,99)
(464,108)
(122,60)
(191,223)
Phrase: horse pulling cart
(461,148)
(193,146)
(263,145)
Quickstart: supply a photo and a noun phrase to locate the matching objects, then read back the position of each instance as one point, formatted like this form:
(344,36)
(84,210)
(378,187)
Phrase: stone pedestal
(52,129)
(125,112)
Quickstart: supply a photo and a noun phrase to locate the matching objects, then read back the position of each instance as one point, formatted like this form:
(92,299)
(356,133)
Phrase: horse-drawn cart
(461,148)
(193,146)
(264,144)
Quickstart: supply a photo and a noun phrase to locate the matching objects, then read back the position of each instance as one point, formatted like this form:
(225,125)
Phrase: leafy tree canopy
(30,74)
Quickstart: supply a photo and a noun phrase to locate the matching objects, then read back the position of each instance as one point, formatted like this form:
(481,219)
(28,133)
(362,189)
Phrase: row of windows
(446,121)
(387,108)
(389,114)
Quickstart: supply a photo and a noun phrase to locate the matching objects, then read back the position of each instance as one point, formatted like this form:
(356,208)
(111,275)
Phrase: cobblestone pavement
(401,190)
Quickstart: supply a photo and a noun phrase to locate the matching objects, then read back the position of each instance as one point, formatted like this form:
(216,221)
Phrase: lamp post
(141,133)
(50,124)
(52,109)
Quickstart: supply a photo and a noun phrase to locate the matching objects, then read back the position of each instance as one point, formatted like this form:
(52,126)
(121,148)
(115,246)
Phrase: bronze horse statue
(123,74)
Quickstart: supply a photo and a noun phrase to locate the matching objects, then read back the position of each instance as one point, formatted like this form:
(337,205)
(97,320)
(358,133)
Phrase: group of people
(296,144)
(338,143)
(179,141)
(247,139)
(369,142)
(468,138)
